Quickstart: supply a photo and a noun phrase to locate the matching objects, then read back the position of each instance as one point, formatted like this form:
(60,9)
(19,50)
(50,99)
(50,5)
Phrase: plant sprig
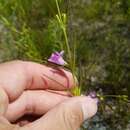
(62,19)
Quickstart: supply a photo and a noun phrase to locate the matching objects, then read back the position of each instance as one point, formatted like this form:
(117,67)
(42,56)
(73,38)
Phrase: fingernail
(85,113)
(88,107)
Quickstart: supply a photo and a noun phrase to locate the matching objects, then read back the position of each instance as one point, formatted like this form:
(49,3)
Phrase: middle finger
(35,103)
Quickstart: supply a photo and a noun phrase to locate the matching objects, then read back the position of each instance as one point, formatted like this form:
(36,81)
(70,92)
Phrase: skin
(28,88)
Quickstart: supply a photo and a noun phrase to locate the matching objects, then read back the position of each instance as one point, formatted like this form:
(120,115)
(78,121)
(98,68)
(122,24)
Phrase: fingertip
(55,78)
(89,107)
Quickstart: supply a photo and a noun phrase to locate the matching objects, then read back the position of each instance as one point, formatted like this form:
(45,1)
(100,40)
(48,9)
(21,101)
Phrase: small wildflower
(93,94)
(57,58)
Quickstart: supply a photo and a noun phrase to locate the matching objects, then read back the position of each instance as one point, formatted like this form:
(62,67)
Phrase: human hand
(31,88)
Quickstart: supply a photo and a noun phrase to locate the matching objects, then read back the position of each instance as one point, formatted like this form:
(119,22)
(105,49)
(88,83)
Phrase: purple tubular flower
(93,94)
(57,58)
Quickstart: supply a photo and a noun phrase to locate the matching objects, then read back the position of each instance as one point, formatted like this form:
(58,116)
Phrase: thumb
(68,115)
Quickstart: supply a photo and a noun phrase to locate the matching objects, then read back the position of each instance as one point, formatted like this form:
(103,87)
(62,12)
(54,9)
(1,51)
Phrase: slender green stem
(67,46)
(115,96)
(65,33)
(64,30)
(63,27)
(59,13)
(123,97)
(69,54)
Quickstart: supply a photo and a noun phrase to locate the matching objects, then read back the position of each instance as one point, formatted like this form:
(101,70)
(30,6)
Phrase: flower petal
(57,58)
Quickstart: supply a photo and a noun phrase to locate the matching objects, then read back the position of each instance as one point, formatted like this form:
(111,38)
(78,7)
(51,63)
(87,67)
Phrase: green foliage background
(100,31)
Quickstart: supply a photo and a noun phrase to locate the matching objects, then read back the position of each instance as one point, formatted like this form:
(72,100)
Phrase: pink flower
(57,58)
(93,94)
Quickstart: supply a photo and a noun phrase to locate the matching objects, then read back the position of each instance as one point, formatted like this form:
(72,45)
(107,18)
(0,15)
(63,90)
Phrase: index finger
(18,76)
(46,77)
